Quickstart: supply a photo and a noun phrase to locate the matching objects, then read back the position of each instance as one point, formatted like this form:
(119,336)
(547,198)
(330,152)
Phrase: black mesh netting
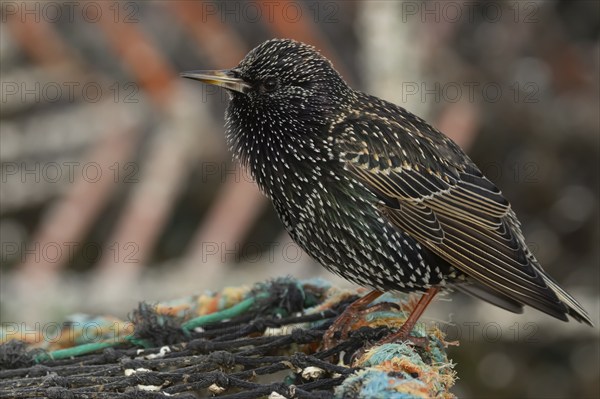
(271,349)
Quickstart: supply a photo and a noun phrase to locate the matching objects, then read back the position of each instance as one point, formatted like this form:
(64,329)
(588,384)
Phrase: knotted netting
(263,341)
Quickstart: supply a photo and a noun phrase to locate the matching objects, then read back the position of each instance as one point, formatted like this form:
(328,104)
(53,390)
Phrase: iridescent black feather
(374,193)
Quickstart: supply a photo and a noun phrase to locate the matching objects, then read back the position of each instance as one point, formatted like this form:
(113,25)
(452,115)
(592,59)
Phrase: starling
(374,193)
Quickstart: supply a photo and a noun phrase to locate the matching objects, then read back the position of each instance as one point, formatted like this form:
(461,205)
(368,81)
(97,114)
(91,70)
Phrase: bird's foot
(343,324)
(403,334)
(340,327)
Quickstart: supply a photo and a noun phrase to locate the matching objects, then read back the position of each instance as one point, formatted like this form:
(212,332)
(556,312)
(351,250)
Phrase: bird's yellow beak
(223,78)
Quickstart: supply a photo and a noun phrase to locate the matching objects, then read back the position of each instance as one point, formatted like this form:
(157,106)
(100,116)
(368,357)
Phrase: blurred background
(117,186)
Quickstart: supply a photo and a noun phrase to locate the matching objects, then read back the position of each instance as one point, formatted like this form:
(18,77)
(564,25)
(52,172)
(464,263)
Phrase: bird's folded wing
(430,190)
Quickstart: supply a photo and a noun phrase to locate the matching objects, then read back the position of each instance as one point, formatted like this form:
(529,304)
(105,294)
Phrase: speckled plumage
(374,193)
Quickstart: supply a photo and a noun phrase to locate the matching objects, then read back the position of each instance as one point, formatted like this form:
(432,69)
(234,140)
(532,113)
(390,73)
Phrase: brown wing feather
(442,200)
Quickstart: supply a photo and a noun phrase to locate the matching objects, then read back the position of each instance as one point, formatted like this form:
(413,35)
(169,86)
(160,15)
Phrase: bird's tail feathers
(491,296)
(575,309)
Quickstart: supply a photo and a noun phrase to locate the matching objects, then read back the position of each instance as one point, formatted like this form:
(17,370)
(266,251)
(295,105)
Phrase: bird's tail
(575,309)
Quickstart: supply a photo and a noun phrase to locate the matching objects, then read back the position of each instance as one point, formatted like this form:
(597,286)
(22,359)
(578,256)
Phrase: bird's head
(278,81)
(284,96)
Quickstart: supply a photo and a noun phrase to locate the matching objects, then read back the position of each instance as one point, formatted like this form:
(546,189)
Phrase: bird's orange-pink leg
(343,322)
(413,318)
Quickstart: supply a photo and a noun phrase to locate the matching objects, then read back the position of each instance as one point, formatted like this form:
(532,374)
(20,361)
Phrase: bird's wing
(432,191)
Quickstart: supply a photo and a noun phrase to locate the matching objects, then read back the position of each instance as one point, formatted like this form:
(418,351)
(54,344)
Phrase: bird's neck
(281,166)
(284,149)
(280,158)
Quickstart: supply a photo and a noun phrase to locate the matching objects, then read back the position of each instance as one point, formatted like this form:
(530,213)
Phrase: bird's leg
(344,321)
(403,333)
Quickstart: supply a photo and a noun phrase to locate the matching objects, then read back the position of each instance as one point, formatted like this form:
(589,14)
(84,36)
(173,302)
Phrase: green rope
(74,351)
(188,326)
(228,313)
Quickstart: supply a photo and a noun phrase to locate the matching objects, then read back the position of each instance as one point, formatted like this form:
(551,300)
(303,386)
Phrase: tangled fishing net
(263,341)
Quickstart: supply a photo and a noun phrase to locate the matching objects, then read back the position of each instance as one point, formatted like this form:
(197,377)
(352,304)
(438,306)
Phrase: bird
(374,193)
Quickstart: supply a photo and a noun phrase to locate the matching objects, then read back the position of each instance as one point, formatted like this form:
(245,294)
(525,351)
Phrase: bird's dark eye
(270,84)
